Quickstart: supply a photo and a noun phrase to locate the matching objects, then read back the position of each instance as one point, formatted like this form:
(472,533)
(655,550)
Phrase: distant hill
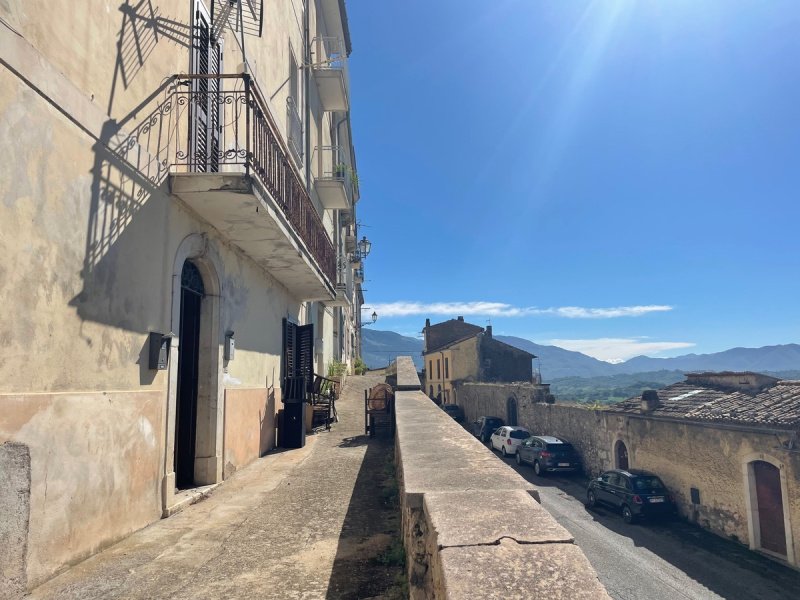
(379,348)
(767,358)
(556,362)
(611,388)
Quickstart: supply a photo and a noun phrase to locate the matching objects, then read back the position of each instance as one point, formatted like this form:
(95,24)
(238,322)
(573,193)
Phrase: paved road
(669,561)
(298,524)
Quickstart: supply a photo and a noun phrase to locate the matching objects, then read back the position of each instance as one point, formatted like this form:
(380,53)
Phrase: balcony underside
(332,89)
(340,301)
(332,193)
(247,217)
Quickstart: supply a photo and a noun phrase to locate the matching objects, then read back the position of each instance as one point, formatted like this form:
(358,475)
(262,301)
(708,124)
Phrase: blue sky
(619,177)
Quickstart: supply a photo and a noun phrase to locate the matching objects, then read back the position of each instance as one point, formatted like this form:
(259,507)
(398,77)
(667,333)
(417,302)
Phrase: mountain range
(381,347)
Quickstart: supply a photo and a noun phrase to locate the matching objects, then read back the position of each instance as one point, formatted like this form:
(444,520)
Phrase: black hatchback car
(484,427)
(634,492)
(549,454)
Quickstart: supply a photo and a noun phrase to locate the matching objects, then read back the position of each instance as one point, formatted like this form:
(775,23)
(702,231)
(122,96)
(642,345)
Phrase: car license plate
(657,499)
(563,464)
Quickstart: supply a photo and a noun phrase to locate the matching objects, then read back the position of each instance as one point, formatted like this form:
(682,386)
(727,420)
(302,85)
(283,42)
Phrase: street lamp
(374,318)
(364,246)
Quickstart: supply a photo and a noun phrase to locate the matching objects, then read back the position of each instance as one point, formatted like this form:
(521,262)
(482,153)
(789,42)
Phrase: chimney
(461,319)
(427,323)
(489,331)
(649,401)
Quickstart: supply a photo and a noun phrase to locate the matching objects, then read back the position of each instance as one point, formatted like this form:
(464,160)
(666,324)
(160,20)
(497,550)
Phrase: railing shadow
(143,27)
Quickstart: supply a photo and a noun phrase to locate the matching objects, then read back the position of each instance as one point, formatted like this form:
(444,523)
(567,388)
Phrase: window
(520,434)
(438,369)
(294,121)
(447,368)
(430,368)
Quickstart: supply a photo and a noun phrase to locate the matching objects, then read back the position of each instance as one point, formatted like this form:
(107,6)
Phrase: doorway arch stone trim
(751,502)
(197,248)
(615,456)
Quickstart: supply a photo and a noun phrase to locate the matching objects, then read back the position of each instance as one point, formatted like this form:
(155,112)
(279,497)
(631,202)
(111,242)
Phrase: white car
(507,439)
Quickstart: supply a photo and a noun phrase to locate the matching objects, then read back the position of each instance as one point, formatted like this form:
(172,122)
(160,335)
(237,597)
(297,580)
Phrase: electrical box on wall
(159,345)
(230,346)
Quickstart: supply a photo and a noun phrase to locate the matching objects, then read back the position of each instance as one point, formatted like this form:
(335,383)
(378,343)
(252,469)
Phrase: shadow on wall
(129,196)
(143,26)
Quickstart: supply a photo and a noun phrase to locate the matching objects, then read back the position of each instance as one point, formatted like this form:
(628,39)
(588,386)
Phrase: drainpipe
(307,95)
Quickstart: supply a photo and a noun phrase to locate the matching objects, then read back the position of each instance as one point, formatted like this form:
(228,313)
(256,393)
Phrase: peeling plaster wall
(249,426)
(685,455)
(15,498)
(95,470)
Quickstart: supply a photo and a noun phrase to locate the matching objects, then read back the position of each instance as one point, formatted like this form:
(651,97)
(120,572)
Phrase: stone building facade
(724,444)
(456,351)
(179,189)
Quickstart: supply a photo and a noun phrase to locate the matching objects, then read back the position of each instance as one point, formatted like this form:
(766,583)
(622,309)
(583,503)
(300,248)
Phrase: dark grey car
(484,427)
(549,454)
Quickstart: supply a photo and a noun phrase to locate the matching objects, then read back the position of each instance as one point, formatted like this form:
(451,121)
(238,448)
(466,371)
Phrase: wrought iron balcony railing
(221,123)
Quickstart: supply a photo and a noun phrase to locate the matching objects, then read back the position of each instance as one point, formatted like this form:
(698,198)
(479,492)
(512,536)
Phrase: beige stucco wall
(249,426)
(96,465)
(463,364)
(685,455)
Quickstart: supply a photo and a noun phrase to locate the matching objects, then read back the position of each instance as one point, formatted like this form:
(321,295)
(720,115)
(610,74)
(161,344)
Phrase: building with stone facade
(455,351)
(725,444)
(178,235)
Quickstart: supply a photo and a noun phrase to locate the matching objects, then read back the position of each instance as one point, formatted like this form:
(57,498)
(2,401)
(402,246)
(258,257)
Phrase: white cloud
(501,309)
(616,350)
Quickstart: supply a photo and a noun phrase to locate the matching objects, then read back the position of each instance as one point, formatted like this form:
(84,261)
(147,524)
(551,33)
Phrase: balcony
(226,159)
(336,181)
(342,298)
(358,275)
(329,66)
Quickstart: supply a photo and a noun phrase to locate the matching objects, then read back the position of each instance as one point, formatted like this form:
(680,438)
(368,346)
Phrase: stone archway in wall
(768,512)
(511,411)
(198,327)
(621,459)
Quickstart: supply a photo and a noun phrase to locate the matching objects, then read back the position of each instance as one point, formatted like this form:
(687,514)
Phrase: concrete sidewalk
(306,523)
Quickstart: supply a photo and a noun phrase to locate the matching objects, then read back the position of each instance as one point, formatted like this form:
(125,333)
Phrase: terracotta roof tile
(777,406)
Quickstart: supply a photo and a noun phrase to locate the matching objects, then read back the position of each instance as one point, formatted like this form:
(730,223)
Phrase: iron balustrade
(221,123)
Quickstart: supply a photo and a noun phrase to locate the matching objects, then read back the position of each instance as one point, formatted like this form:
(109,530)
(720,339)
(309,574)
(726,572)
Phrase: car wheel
(627,515)
(590,499)
(537,469)
(519,460)
(503,452)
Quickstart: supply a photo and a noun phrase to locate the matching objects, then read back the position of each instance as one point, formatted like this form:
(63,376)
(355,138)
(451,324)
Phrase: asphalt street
(660,560)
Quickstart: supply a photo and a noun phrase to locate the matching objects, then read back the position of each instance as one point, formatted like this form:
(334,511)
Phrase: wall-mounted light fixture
(230,346)
(158,350)
(364,246)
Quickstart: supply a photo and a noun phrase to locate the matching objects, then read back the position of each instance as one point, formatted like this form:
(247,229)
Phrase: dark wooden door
(770,507)
(511,411)
(188,361)
(622,456)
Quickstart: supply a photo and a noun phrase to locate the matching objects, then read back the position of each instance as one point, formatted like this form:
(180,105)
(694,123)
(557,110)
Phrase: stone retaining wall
(471,525)
(587,429)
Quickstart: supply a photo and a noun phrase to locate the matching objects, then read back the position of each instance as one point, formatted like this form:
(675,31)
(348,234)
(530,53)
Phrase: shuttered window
(206,102)
(298,359)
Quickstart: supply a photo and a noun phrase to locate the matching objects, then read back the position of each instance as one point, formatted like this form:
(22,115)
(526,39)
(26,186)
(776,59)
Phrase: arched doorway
(192,294)
(769,507)
(511,411)
(621,455)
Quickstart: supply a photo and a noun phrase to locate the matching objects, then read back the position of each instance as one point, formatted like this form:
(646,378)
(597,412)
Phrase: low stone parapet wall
(472,526)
